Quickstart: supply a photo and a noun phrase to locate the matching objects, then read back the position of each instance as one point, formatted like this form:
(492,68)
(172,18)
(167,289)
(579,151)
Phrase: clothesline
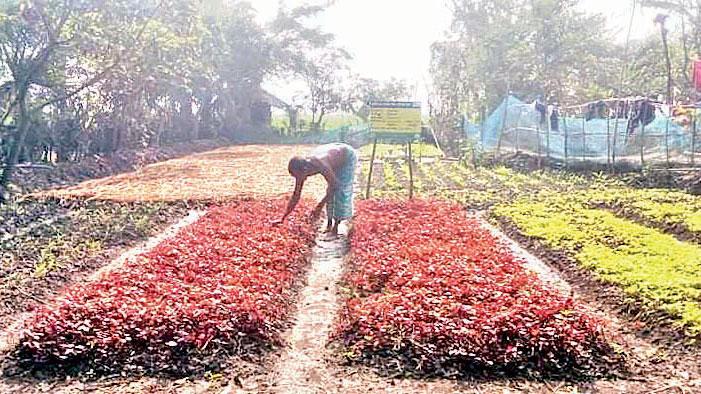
(632,99)
(627,99)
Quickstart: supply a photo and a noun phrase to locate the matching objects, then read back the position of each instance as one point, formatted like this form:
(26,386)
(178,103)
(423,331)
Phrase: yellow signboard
(395,117)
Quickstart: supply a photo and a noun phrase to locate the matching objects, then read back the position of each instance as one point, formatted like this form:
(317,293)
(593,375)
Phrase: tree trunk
(317,127)
(17,143)
(668,61)
(292,113)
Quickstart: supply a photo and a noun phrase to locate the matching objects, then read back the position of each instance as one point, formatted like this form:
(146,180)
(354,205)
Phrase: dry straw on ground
(235,172)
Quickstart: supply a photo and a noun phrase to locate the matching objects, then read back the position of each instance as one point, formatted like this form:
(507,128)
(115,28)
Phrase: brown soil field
(246,171)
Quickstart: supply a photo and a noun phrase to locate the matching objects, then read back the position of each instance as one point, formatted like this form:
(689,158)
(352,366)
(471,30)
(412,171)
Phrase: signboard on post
(396,118)
(397,121)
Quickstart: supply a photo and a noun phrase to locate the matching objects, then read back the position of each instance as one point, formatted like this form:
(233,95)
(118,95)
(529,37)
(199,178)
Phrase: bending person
(336,163)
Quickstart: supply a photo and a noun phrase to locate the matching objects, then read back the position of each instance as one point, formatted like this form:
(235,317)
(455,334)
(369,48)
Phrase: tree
(533,48)
(80,77)
(661,20)
(36,40)
(688,40)
(321,75)
(364,90)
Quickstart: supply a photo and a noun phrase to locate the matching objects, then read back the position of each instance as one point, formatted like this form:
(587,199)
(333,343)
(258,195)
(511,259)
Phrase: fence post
(540,153)
(693,138)
(410,160)
(518,132)
(642,148)
(564,123)
(666,136)
(503,123)
(584,139)
(372,163)
(547,138)
(608,140)
(482,116)
(615,139)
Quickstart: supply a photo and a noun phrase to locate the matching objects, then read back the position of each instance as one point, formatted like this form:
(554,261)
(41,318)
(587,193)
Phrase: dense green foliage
(556,50)
(83,77)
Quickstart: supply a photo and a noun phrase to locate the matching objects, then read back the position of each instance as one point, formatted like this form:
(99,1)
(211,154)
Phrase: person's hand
(316,213)
(313,217)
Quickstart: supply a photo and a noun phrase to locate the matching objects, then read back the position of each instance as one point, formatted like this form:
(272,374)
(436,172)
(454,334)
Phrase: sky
(392,38)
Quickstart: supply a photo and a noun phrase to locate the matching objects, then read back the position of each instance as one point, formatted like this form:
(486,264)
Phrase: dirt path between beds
(309,366)
(302,368)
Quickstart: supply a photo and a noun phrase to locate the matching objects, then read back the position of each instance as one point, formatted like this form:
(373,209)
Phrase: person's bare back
(336,163)
(333,155)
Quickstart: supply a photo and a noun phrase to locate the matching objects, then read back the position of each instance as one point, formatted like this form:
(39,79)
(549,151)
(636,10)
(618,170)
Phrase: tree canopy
(82,77)
(555,51)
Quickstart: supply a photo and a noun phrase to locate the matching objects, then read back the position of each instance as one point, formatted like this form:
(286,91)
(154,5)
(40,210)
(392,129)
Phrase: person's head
(300,167)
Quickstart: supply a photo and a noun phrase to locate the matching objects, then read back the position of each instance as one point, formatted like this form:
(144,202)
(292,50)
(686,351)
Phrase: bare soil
(28,179)
(236,172)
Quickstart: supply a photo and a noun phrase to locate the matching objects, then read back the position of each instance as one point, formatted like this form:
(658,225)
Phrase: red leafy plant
(434,293)
(222,286)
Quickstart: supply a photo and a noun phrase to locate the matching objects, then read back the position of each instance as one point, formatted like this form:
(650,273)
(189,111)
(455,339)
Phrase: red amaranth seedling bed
(222,286)
(434,293)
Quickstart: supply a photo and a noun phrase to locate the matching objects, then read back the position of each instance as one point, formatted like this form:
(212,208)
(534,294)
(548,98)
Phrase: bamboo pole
(608,140)
(483,115)
(540,153)
(666,137)
(438,144)
(372,163)
(584,139)
(615,140)
(564,123)
(642,147)
(518,147)
(411,173)
(547,139)
(693,139)
(506,114)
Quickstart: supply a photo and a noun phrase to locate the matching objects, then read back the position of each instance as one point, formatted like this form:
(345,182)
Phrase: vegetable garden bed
(433,293)
(614,232)
(655,269)
(46,243)
(386,151)
(674,212)
(223,286)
